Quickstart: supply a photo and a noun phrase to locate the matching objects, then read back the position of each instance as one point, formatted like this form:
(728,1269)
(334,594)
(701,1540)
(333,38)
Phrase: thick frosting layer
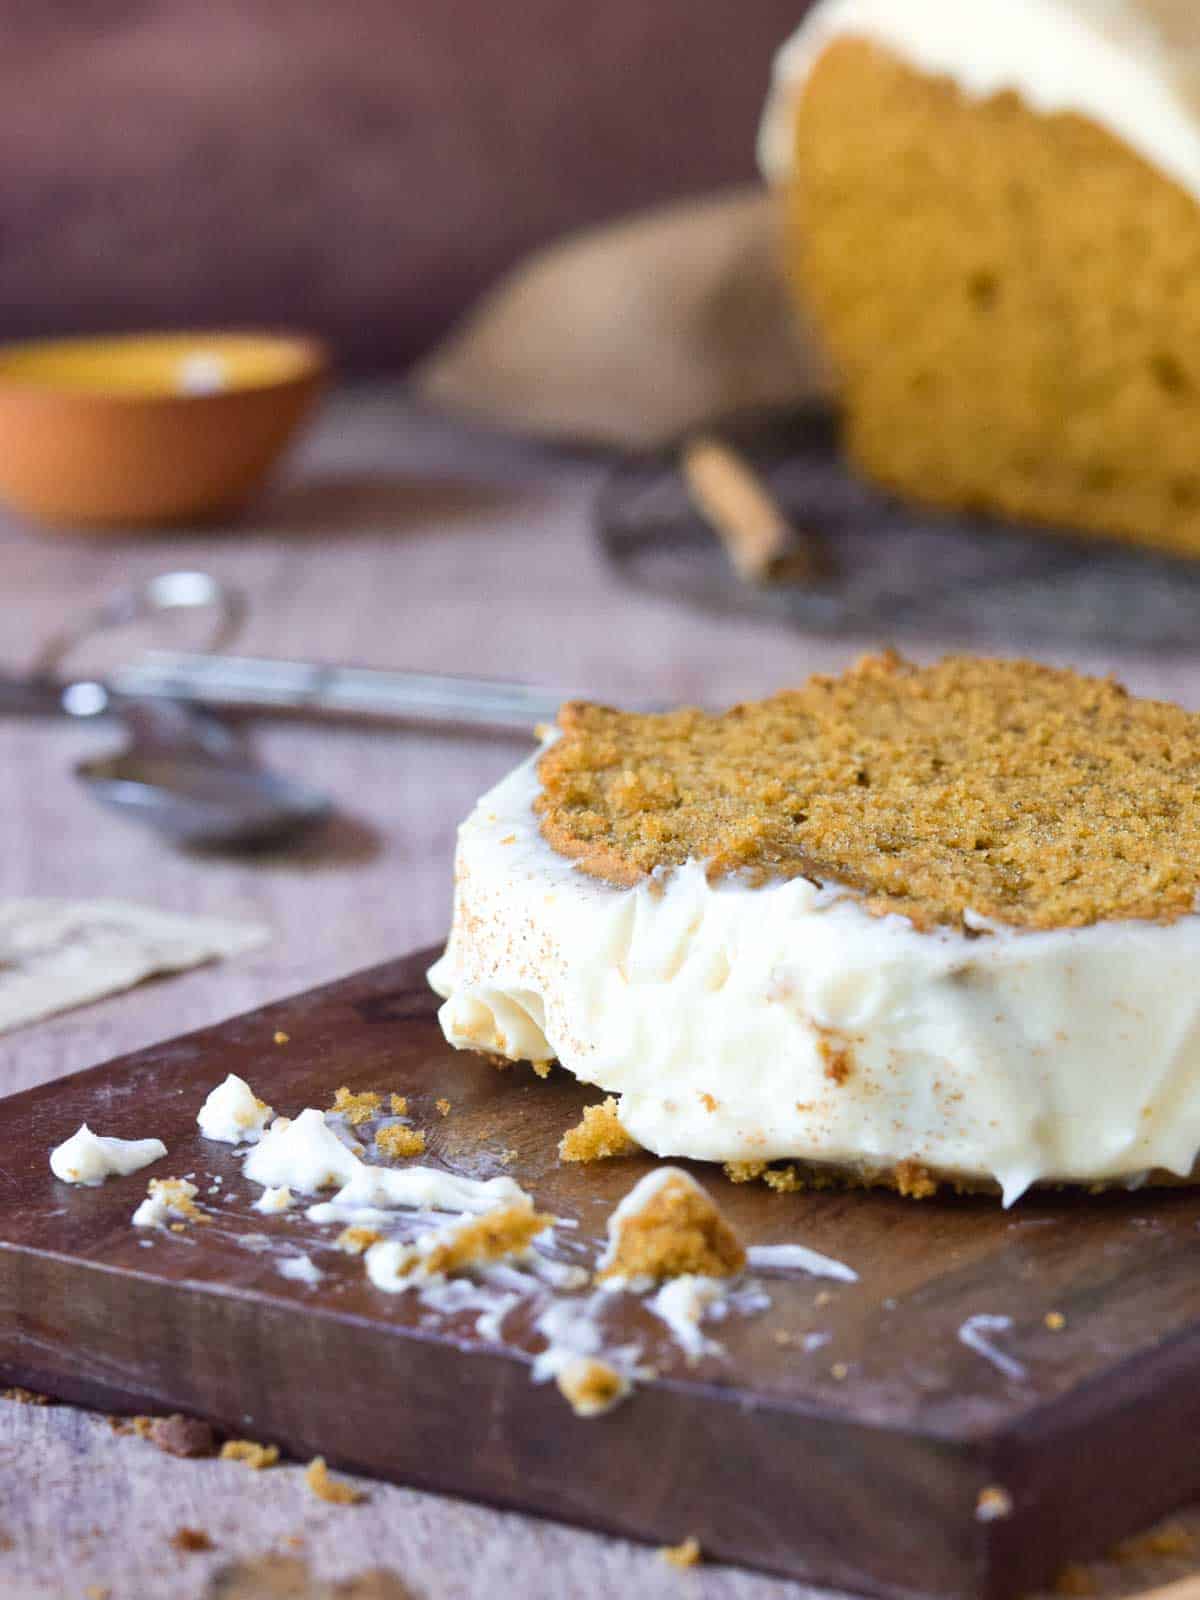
(785,1021)
(1121,63)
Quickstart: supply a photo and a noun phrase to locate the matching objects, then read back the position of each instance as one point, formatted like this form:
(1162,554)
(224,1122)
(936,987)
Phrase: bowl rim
(315,351)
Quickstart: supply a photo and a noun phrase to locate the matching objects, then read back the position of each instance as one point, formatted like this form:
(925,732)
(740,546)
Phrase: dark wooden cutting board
(858,1463)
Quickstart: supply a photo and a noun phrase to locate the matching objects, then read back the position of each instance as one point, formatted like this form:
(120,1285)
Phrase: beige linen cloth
(55,954)
(634,334)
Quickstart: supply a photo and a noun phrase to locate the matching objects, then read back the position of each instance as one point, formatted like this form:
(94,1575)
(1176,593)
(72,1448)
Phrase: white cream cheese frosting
(714,1011)
(1131,66)
(88,1158)
(233,1113)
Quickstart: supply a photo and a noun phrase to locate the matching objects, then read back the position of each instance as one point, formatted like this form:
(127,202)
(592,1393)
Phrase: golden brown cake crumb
(1055,1321)
(744,1171)
(1025,794)
(599,1135)
(506,1232)
(687,1554)
(542,1068)
(398,1141)
(914,1180)
(250,1453)
(666,1226)
(338,1493)
(443,1107)
(25,1397)
(281,1037)
(354,1240)
(356,1108)
(592,1387)
(399,1105)
(191,1539)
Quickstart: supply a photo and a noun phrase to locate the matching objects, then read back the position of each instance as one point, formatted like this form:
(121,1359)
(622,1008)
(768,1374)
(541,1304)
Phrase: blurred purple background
(363,168)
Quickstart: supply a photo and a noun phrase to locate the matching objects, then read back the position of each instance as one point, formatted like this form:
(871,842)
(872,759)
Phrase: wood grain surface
(396,540)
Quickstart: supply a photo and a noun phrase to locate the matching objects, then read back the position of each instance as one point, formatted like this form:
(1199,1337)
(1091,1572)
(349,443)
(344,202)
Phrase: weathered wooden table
(397,540)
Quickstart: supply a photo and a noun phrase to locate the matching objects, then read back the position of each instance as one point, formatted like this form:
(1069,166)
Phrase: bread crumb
(338,1493)
(824,1297)
(252,1454)
(839,1372)
(666,1226)
(1055,1321)
(443,1107)
(686,1554)
(592,1387)
(399,1104)
(993,1504)
(281,1037)
(354,1240)
(598,1137)
(542,1068)
(356,1108)
(191,1539)
(24,1397)
(398,1141)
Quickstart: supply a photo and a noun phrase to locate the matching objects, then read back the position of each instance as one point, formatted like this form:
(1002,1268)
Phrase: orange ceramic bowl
(148,429)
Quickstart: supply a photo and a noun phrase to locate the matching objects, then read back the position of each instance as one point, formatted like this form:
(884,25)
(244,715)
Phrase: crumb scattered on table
(686,1554)
(592,1387)
(281,1037)
(399,1104)
(1055,1321)
(250,1453)
(177,1435)
(355,1239)
(191,1539)
(443,1107)
(337,1492)
(839,1372)
(356,1108)
(490,1237)
(25,1397)
(542,1068)
(398,1142)
(677,1229)
(599,1136)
